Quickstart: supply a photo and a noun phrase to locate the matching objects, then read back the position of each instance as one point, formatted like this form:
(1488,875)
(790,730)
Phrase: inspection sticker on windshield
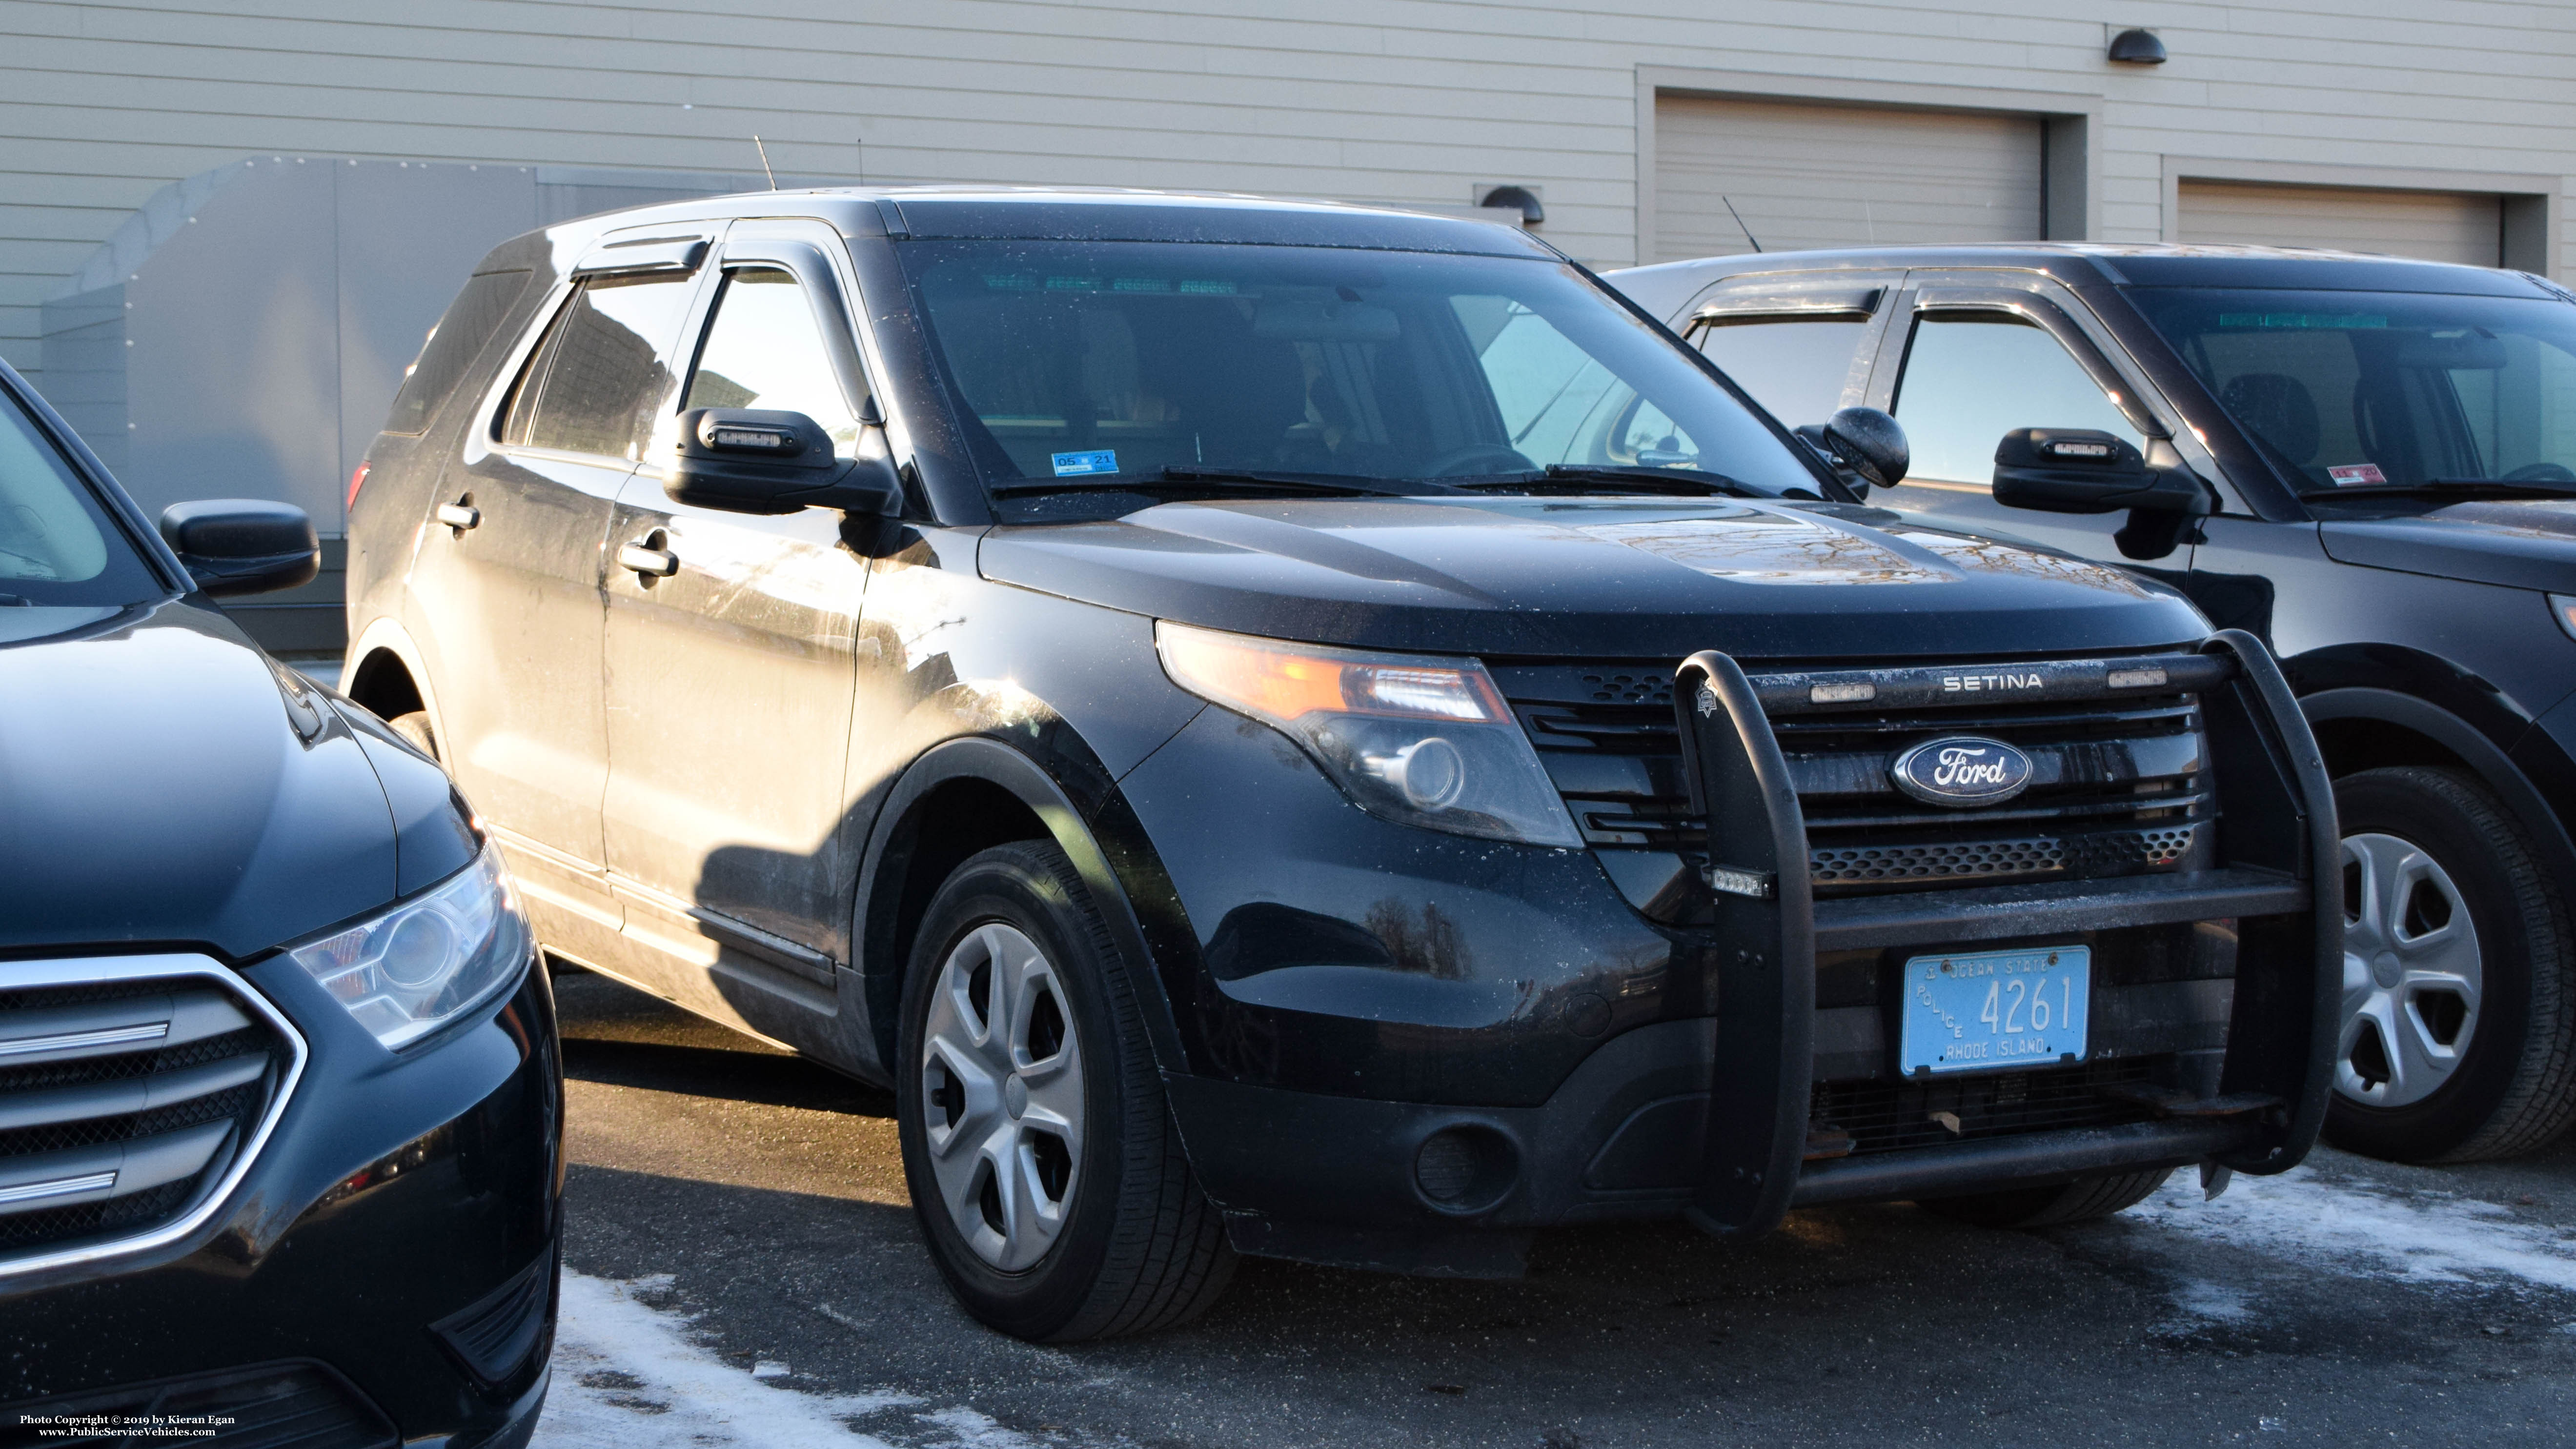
(1985,1011)
(2356,475)
(1076,465)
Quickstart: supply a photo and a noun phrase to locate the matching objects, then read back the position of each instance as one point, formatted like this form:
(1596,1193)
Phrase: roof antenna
(1739,222)
(773,176)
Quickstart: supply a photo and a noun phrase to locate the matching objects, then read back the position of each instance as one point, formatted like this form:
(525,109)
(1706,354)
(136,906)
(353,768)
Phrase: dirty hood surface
(2516,543)
(1592,578)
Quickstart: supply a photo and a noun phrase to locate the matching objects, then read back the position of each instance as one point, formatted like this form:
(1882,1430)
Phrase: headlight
(428,960)
(1423,740)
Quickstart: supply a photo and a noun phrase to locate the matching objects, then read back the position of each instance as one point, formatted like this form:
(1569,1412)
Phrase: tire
(2443,890)
(415,728)
(2079,1201)
(1086,1222)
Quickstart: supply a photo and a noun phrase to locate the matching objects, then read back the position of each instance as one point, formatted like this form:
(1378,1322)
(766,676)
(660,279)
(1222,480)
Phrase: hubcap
(2411,973)
(1002,1091)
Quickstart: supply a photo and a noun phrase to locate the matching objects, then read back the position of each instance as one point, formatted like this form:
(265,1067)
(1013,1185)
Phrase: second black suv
(2368,462)
(1319,732)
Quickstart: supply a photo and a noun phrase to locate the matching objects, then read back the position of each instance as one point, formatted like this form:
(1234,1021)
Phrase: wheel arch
(2361,728)
(958,798)
(383,671)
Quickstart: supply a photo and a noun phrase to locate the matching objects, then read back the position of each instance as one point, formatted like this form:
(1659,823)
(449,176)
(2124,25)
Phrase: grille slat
(2119,785)
(1883,1116)
(126,1101)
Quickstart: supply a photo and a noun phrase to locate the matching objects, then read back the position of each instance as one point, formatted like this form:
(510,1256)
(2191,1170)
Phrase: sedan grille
(132,1093)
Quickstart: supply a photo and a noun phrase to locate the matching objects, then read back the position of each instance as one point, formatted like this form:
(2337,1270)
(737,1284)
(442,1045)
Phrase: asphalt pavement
(743,1268)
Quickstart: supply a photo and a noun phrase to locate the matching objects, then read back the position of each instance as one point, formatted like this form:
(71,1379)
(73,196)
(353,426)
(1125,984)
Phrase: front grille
(1882,1116)
(281,1406)
(130,1090)
(2120,784)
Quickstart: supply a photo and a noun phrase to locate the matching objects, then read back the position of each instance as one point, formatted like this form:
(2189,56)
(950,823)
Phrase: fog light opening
(1465,1169)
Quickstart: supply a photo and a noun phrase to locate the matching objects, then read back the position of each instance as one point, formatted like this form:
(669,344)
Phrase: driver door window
(1972,377)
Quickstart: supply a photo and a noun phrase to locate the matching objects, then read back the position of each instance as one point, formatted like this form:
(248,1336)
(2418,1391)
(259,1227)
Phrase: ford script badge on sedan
(1962,770)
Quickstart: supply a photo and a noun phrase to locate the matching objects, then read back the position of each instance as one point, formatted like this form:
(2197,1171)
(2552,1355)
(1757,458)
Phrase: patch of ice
(2198,1298)
(2365,1232)
(627,1376)
(980,1431)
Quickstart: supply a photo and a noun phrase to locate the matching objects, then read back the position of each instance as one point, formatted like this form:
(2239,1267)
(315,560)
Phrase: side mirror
(751,460)
(242,545)
(2079,470)
(1865,447)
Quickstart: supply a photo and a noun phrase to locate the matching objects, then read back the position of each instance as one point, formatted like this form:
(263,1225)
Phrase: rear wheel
(1041,1156)
(2459,1028)
(2045,1207)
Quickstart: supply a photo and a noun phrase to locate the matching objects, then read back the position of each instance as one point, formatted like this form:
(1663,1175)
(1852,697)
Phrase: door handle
(659,563)
(459,516)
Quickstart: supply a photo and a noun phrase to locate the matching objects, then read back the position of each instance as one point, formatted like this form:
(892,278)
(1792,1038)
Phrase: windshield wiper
(1580,478)
(1188,477)
(2448,488)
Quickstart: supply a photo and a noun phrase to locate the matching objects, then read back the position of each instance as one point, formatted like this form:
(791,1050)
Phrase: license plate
(1986,1011)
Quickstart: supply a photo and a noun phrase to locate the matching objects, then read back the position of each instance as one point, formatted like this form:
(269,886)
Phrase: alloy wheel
(2411,973)
(1002,1092)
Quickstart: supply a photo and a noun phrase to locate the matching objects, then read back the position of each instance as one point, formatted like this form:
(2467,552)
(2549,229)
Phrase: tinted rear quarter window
(452,347)
(603,368)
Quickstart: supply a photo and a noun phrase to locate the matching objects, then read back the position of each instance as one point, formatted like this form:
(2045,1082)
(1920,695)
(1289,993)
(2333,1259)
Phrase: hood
(2518,543)
(163,783)
(1592,578)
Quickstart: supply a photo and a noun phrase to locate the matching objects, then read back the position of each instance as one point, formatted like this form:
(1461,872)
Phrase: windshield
(57,545)
(1088,364)
(2386,389)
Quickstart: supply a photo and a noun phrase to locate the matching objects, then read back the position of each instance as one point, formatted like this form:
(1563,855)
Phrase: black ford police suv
(1320,732)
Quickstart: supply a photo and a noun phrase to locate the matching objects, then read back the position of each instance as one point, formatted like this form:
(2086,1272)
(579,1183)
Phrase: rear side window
(603,368)
(452,346)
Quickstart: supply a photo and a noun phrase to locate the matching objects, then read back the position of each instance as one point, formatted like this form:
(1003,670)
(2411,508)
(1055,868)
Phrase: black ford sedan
(280,1110)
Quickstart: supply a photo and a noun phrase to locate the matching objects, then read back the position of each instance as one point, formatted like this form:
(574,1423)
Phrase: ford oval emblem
(1962,770)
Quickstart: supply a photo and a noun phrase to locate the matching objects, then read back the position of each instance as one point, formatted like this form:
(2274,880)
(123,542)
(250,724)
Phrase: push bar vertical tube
(1764,966)
(2289,969)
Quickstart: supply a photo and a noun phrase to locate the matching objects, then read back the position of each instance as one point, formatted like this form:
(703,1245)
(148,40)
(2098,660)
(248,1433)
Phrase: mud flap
(1763,952)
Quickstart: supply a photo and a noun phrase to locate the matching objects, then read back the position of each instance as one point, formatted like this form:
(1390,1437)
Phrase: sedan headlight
(1423,740)
(432,958)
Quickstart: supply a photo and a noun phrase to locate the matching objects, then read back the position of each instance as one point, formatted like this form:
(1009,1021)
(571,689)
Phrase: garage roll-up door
(1829,176)
(2441,226)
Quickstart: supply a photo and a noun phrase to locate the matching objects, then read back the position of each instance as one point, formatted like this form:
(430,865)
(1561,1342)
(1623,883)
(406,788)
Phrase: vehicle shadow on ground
(618,1036)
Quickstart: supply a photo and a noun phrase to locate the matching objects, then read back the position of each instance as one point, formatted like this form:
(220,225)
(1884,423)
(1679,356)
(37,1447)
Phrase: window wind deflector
(675,256)
(1849,305)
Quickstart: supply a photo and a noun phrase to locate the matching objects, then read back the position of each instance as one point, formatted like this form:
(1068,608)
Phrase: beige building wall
(1411,101)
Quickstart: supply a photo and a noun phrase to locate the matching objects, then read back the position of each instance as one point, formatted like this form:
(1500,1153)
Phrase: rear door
(507,584)
(730,669)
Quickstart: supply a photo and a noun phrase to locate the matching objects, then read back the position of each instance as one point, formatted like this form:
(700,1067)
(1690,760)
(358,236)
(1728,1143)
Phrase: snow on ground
(2363,1231)
(629,1376)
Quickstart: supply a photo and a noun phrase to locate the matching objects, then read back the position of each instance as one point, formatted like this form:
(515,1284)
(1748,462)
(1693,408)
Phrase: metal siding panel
(1821,176)
(2435,225)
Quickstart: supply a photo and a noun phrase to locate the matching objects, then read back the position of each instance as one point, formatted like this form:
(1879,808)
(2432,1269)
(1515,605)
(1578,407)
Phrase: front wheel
(1041,1156)
(2459,1028)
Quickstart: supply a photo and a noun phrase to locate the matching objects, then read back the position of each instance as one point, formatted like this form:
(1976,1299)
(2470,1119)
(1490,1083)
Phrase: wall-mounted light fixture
(2137,47)
(1520,198)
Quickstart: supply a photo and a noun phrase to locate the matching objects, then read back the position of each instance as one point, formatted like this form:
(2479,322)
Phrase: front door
(508,584)
(730,668)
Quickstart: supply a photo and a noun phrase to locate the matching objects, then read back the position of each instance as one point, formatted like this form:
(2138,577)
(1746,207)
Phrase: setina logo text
(1971,683)
(1962,770)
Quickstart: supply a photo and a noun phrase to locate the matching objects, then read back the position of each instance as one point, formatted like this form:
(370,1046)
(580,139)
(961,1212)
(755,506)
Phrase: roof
(2139,264)
(1097,214)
